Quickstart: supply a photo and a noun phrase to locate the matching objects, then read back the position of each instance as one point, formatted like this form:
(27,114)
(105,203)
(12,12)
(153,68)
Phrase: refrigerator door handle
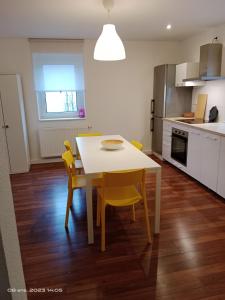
(153,106)
(152,125)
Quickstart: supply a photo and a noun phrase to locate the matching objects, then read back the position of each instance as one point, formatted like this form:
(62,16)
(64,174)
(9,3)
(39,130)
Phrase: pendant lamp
(109,46)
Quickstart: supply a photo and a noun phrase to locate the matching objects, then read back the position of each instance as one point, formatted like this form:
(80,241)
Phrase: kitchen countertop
(216,128)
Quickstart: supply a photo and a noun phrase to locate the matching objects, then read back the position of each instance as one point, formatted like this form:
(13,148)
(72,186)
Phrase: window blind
(58,72)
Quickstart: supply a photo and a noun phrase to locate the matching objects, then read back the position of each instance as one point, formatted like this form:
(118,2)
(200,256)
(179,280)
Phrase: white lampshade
(109,46)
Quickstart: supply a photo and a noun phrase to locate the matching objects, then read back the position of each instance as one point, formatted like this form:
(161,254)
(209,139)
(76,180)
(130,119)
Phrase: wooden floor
(186,262)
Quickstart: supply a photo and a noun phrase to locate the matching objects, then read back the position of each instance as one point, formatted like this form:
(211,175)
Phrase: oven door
(179,148)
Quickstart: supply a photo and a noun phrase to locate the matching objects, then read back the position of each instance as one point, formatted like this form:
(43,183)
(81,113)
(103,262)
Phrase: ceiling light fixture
(109,46)
(169,26)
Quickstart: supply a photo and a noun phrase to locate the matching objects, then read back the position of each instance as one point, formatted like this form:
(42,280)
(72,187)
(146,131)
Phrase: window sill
(62,119)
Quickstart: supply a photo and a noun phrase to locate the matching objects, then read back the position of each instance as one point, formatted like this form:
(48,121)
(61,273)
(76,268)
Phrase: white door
(210,160)
(12,114)
(194,154)
(221,174)
(3,137)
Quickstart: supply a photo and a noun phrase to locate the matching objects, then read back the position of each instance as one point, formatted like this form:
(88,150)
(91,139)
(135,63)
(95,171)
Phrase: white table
(97,160)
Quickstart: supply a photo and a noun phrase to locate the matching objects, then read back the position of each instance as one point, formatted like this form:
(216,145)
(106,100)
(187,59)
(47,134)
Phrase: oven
(179,146)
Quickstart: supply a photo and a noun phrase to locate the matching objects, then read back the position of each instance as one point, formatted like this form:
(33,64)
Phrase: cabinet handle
(152,125)
(153,106)
(5,126)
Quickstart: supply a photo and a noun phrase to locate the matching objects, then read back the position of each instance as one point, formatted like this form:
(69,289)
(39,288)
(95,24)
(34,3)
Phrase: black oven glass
(179,146)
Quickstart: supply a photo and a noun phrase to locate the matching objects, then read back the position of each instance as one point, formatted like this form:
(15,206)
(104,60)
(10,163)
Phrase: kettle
(213,114)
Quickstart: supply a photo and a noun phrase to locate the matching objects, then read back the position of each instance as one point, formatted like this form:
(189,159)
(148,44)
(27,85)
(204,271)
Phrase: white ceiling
(134,19)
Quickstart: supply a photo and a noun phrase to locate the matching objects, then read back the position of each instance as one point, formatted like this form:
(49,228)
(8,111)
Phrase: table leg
(157,201)
(89,209)
(76,149)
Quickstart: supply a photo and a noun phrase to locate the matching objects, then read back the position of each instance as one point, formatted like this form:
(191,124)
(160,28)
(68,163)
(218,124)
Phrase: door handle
(153,106)
(152,125)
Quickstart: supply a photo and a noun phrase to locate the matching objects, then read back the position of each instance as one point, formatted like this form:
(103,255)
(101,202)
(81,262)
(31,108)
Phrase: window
(60,102)
(59,85)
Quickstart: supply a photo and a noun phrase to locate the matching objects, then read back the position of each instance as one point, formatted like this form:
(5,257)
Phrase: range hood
(210,63)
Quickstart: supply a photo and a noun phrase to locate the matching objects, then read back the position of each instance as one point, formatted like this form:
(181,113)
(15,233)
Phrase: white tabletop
(96,160)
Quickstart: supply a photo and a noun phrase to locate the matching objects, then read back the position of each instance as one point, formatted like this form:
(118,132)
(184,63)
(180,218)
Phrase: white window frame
(44,115)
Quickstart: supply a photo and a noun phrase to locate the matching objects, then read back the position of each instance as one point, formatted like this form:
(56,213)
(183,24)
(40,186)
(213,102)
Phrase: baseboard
(147,151)
(45,160)
(158,155)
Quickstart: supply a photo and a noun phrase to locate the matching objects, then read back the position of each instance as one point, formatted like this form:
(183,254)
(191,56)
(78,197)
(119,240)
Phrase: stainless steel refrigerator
(168,101)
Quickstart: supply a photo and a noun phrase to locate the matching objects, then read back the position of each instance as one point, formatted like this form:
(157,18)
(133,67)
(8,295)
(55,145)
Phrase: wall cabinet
(13,123)
(221,173)
(185,71)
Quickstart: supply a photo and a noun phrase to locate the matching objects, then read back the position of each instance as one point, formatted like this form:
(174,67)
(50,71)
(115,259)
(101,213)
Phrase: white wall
(118,94)
(216,89)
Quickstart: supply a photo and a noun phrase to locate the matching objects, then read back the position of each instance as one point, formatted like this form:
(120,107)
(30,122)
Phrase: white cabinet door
(210,160)
(166,146)
(221,173)
(186,71)
(194,154)
(14,119)
(181,73)
(3,139)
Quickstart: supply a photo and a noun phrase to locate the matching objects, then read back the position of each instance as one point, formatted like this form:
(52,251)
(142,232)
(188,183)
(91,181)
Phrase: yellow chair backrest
(124,178)
(69,162)
(68,146)
(137,144)
(89,134)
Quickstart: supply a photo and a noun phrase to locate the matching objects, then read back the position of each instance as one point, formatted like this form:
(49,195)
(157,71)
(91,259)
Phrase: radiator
(51,140)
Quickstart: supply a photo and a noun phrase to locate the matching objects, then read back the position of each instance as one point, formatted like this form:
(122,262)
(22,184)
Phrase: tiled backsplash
(216,96)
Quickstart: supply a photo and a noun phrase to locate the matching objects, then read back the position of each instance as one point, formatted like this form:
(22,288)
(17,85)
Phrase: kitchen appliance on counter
(168,101)
(213,114)
(179,146)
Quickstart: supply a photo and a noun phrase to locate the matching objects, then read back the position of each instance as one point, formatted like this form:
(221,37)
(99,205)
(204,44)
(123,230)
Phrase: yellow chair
(89,134)
(137,144)
(77,162)
(74,181)
(121,189)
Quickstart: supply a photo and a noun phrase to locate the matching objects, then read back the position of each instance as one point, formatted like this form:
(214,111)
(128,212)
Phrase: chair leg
(133,213)
(69,203)
(147,220)
(71,199)
(98,219)
(102,226)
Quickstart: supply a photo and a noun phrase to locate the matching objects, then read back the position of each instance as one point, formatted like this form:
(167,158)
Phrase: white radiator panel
(51,140)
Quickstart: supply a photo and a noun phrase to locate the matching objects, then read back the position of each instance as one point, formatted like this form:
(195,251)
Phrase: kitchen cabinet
(194,154)
(13,123)
(185,71)
(210,160)
(205,155)
(166,147)
(221,172)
